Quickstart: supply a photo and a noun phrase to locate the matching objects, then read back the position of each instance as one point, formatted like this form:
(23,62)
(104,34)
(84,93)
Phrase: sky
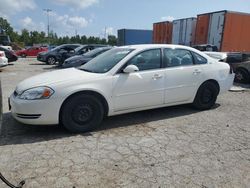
(102,17)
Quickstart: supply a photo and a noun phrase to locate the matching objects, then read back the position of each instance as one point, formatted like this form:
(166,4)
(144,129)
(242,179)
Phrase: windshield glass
(106,61)
(92,53)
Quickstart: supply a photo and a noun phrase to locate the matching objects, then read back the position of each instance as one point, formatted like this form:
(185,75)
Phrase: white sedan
(3,59)
(124,79)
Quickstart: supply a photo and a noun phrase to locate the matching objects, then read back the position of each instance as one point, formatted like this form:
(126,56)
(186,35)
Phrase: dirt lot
(167,147)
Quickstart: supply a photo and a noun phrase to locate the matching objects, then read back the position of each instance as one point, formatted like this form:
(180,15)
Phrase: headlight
(36,93)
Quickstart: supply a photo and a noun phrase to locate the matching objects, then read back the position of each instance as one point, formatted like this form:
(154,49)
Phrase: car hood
(50,79)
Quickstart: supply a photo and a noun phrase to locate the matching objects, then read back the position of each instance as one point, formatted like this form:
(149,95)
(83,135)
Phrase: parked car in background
(54,55)
(78,51)
(79,60)
(121,80)
(206,47)
(10,54)
(3,59)
(240,63)
(32,51)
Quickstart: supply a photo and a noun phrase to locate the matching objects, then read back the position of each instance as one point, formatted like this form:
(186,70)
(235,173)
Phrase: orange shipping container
(236,35)
(229,31)
(162,32)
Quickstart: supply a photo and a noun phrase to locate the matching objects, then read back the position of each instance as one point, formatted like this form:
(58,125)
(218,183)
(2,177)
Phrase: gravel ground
(167,147)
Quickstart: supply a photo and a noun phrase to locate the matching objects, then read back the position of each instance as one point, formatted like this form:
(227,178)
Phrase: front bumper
(35,112)
(41,58)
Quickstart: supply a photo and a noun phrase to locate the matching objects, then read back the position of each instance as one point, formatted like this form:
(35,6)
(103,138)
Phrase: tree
(112,40)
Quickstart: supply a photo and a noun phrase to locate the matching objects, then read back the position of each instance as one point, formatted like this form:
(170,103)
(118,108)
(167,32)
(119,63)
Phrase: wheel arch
(242,68)
(91,93)
(212,81)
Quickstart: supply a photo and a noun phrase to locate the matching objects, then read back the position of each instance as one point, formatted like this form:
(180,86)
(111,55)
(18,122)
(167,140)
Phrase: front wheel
(206,96)
(82,113)
(51,60)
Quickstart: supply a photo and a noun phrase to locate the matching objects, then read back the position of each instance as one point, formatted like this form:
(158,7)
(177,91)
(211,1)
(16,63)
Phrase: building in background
(229,31)
(184,31)
(134,36)
(162,32)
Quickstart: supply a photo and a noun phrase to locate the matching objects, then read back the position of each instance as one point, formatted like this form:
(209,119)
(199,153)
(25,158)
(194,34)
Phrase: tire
(82,113)
(51,60)
(206,96)
(242,76)
(23,55)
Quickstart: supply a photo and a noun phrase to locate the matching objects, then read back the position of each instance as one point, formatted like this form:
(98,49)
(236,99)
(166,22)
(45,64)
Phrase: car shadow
(13,132)
(37,64)
(52,67)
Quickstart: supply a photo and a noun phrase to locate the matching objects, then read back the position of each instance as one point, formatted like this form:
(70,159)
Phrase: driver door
(143,88)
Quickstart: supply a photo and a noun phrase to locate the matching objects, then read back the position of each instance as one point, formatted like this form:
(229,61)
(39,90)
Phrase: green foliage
(29,38)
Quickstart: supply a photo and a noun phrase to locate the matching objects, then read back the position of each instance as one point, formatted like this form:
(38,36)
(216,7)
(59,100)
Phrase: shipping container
(184,31)
(162,32)
(229,31)
(134,36)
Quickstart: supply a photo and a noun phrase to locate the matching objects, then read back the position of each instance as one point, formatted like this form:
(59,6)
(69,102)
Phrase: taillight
(2,54)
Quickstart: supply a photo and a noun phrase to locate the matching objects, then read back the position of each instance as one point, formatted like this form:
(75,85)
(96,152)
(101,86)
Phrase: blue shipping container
(134,36)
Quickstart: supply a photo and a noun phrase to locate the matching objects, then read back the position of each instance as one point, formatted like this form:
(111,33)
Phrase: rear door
(182,75)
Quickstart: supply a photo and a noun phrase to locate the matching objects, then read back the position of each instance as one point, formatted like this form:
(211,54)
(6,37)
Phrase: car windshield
(93,53)
(106,61)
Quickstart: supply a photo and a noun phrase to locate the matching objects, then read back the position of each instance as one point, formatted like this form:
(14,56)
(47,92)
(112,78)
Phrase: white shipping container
(184,31)
(216,27)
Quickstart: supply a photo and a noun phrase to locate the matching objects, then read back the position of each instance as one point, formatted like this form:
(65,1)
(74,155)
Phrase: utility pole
(47,12)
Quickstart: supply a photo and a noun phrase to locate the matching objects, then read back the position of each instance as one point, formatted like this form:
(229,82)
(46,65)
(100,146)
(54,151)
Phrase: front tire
(82,113)
(51,60)
(206,96)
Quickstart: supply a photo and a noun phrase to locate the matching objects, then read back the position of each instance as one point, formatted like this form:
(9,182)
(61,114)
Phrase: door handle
(197,71)
(157,76)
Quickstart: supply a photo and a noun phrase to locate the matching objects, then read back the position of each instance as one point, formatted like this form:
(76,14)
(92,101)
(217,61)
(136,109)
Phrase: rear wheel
(82,113)
(206,96)
(242,76)
(51,60)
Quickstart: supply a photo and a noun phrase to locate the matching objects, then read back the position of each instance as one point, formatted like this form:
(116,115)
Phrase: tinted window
(199,59)
(177,57)
(146,60)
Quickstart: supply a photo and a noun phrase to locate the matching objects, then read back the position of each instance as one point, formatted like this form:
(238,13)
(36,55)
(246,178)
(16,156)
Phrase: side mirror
(130,69)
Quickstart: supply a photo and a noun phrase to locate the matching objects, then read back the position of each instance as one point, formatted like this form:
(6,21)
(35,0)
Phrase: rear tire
(206,96)
(82,113)
(23,55)
(242,76)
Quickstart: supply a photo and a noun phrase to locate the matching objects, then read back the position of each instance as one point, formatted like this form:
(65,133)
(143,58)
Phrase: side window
(150,59)
(177,57)
(199,59)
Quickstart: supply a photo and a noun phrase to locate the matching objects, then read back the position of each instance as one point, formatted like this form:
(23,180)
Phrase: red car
(32,51)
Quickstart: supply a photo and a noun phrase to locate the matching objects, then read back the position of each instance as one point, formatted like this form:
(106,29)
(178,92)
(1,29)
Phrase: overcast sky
(91,17)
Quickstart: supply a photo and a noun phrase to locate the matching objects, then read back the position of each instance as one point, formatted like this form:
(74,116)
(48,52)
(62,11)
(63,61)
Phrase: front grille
(28,116)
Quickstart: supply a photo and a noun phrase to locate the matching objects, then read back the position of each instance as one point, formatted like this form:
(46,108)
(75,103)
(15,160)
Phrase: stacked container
(134,36)
(162,32)
(229,31)
(184,31)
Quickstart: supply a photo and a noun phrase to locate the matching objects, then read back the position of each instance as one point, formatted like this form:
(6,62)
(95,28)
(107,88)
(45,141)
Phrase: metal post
(47,12)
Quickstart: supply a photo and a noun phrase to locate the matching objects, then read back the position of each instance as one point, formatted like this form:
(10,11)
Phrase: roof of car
(145,46)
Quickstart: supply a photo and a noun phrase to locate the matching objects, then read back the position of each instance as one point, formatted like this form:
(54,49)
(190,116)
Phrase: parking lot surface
(167,147)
